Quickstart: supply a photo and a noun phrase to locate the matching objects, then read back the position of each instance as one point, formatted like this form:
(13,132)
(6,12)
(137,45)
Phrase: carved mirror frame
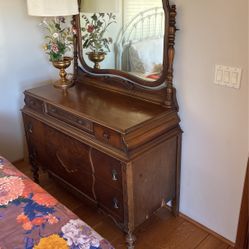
(160,91)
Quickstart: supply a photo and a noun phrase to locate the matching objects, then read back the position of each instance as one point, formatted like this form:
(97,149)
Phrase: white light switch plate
(227,76)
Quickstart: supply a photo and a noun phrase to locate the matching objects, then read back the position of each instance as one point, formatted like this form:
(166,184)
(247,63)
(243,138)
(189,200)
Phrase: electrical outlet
(227,76)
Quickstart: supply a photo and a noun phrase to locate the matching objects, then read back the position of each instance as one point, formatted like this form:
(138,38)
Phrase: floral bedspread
(32,218)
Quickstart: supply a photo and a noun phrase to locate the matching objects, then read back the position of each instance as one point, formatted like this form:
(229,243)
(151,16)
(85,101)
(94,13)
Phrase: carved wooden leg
(176,200)
(35,167)
(130,240)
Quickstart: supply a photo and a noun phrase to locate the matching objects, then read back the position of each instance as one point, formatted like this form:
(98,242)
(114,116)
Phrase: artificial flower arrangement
(59,38)
(94,32)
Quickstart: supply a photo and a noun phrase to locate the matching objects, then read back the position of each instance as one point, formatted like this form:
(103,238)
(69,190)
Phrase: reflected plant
(95,30)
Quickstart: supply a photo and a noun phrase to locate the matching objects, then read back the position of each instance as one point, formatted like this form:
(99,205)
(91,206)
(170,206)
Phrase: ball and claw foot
(130,240)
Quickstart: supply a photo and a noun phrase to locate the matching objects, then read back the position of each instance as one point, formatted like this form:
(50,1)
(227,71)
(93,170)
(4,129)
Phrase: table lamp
(56,8)
(99,6)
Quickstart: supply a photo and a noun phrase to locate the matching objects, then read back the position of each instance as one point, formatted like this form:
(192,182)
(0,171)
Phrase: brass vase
(96,58)
(63,82)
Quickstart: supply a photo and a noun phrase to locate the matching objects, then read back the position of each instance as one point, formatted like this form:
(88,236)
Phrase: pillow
(157,68)
(145,55)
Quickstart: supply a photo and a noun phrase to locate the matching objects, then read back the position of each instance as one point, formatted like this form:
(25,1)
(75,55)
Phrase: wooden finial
(169,102)
(75,49)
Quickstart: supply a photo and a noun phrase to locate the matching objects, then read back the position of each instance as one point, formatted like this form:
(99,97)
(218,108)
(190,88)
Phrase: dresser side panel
(154,176)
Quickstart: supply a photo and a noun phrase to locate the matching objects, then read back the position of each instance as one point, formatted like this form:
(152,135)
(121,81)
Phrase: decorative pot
(96,58)
(63,82)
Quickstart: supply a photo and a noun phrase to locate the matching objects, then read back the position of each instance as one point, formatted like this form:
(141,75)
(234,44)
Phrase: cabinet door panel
(69,159)
(35,131)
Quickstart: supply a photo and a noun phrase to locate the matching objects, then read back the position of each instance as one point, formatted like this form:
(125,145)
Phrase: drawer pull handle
(115,203)
(30,128)
(106,136)
(64,165)
(79,121)
(53,110)
(114,175)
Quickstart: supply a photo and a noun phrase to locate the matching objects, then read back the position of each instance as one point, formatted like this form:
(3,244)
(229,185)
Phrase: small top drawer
(33,103)
(108,136)
(69,118)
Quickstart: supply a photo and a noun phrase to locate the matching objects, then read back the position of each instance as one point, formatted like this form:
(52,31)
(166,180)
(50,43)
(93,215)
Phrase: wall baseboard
(218,236)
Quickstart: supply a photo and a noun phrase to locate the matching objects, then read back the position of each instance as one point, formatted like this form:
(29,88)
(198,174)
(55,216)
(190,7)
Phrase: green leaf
(94,17)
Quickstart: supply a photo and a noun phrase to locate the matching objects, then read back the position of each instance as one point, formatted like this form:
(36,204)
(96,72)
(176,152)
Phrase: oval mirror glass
(124,37)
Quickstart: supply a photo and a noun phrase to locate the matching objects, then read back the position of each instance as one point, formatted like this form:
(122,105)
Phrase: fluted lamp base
(63,82)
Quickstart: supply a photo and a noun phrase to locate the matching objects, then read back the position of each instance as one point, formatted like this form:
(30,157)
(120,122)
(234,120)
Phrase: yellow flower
(45,47)
(53,241)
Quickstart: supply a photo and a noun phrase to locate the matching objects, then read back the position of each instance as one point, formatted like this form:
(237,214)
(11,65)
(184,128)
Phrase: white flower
(55,35)
(44,22)
(77,233)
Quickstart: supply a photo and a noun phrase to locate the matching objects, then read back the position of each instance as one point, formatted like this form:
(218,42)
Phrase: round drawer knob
(30,128)
(79,121)
(114,175)
(106,136)
(115,203)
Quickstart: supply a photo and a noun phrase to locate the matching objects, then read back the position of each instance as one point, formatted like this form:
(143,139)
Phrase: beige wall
(23,64)
(214,118)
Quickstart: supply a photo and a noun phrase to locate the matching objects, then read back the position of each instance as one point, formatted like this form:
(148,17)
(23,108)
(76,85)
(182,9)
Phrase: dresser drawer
(69,159)
(34,103)
(108,136)
(110,199)
(70,118)
(107,169)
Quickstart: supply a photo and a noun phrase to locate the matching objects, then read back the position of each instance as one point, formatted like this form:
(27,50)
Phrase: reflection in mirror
(130,39)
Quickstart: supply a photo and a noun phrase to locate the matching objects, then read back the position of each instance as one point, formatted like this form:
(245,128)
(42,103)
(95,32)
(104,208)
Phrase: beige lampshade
(99,6)
(52,7)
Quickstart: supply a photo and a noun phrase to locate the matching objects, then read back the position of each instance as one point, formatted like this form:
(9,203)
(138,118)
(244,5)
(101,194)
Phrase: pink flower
(10,189)
(27,226)
(22,218)
(11,172)
(51,219)
(54,48)
(90,28)
(38,221)
(44,199)
(30,187)
(74,31)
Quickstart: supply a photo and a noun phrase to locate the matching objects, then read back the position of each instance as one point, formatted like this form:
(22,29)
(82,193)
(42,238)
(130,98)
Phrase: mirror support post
(169,102)
(75,49)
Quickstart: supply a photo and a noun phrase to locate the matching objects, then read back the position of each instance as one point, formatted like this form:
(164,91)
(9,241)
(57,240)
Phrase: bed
(31,218)
(135,45)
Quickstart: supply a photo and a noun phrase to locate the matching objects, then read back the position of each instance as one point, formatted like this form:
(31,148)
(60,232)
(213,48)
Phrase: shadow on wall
(10,142)
(12,137)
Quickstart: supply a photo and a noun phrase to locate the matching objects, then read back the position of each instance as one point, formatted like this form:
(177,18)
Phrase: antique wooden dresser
(113,139)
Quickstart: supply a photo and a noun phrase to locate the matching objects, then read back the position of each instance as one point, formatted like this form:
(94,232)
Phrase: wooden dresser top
(111,109)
